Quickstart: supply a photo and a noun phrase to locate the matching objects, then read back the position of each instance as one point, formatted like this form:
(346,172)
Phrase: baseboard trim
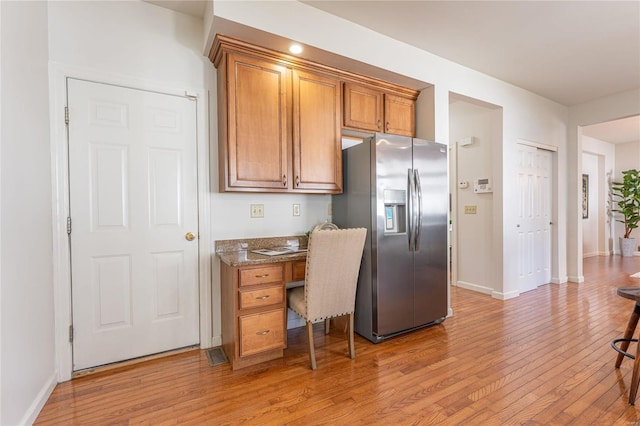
(578,280)
(474,287)
(505,296)
(592,254)
(556,280)
(36,406)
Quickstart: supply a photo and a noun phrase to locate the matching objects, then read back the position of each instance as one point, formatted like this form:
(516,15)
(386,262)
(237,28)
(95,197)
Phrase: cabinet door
(317,149)
(257,135)
(399,115)
(363,108)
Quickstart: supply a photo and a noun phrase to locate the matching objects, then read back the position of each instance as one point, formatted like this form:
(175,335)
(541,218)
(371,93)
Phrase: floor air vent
(216,356)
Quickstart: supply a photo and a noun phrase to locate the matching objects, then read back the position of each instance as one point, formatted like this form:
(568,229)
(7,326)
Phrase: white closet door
(533,227)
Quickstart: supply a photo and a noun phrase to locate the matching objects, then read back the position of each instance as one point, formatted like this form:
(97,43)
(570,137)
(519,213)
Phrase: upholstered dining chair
(331,277)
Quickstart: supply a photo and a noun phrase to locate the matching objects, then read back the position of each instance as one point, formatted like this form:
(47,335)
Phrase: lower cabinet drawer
(261,332)
(262,297)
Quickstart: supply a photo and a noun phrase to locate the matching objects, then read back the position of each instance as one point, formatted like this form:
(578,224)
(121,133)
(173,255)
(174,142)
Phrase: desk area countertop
(240,252)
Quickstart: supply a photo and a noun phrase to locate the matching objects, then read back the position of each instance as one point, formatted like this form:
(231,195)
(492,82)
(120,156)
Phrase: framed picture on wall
(585,196)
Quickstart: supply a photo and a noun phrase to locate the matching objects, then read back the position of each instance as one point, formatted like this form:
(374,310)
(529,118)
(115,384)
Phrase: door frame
(58,75)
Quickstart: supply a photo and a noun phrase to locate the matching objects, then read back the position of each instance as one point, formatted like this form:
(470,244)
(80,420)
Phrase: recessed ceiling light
(295,49)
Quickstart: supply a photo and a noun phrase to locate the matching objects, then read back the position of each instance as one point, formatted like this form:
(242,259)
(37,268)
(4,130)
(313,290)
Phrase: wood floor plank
(542,358)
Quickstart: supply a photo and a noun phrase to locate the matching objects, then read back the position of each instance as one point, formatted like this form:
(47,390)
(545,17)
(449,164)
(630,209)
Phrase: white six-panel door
(534,217)
(133,200)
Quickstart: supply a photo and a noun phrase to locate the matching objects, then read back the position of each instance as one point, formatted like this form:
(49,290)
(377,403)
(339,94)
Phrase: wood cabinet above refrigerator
(280,118)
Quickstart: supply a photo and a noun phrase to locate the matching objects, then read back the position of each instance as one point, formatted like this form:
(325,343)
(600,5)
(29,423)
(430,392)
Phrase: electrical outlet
(257,210)
(296,209)
(470,209)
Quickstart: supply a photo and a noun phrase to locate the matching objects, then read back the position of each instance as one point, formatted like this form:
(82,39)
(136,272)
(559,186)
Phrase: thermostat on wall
(482,185)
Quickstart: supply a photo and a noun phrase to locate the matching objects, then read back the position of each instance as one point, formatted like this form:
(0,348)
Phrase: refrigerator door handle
(410,214)
(418,229)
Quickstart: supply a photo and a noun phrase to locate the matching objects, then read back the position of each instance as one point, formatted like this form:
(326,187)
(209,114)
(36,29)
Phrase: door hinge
(70,333)
(66,115)
(69,225)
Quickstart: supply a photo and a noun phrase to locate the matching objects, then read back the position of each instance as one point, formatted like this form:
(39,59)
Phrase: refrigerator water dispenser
(395,219)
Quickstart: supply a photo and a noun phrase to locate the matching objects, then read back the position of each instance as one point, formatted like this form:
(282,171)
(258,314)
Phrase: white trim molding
(474,287)
(505,296)
(556,280)
(36,406)
(537,145)
(58,75)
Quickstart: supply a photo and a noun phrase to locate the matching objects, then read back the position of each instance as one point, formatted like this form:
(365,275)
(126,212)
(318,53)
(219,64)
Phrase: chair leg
(312,352)
(352,349)
(635,378)
(628,333)
(327,325)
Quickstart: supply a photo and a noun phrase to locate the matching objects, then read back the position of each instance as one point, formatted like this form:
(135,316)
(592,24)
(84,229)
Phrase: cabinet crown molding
(223,44)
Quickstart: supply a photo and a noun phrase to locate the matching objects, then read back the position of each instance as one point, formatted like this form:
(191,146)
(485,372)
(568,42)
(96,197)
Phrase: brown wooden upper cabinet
(280,118)
(255,152)
(317,142)
(278,126)
(371,110)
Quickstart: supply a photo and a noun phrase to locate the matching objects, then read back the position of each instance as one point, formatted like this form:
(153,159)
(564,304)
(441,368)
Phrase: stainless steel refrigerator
(397,188)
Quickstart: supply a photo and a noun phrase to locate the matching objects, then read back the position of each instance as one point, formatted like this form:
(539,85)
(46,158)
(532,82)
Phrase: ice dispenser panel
(395,218)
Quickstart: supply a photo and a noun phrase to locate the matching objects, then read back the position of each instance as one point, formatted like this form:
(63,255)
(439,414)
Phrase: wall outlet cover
(257,210)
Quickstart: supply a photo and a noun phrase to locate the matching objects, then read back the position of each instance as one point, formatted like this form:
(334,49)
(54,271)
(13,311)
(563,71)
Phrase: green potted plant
(626,195)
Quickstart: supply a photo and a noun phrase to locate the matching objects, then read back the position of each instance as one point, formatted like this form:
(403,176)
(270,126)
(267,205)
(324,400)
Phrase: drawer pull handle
(262,297)
(262,333)
(262,276)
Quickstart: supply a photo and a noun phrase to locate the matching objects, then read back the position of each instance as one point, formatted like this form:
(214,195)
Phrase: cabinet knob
(379,124)
(297,181)
(387,129)
(284,180)
(262,333)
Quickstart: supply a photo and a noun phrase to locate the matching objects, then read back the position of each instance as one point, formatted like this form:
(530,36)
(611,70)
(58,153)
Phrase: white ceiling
(568,51)
(617,131)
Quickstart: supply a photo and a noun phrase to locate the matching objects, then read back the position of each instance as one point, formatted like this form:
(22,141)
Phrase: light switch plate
(296,209)
(470,209)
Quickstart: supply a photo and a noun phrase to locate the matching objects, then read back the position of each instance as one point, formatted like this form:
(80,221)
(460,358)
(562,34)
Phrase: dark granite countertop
(239,252)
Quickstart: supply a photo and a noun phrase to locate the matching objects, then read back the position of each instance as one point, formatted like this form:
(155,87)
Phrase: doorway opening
(475,132)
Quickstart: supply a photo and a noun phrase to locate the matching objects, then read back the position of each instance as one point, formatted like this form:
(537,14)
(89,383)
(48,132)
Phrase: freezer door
(393,290)
(430,163)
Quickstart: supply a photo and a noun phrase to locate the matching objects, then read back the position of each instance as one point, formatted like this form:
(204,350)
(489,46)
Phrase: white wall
(129,38)
(526,116)
(27,348)
(474,244)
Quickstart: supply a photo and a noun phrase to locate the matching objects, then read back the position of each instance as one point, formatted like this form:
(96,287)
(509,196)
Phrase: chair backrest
(333,264)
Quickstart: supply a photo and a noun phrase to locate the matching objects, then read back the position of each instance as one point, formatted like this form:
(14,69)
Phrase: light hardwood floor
(540,359)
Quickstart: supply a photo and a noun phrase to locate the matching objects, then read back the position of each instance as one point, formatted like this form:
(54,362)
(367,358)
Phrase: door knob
(190,236)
